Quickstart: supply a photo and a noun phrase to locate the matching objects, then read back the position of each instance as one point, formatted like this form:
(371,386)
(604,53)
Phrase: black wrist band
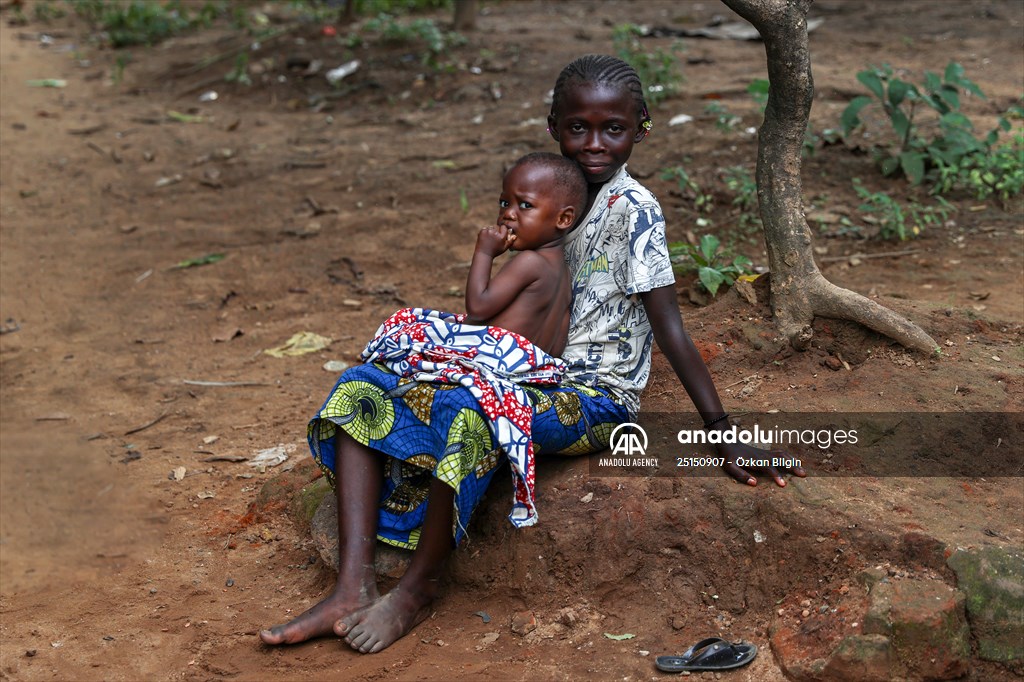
(715,421)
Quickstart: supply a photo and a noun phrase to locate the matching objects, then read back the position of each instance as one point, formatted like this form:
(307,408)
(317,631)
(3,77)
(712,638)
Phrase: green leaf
(889,165)
(872,82)
(711,279)
(951,97)
(758,86)
(912,164)
(183,118)
(202,260)
(898,91)
(931,82)
(954,120)
(900,123)
(708,247)
(619,638)
(954,72)
(850,118)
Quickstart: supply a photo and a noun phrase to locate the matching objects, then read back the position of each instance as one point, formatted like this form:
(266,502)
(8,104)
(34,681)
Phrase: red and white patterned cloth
(434,346)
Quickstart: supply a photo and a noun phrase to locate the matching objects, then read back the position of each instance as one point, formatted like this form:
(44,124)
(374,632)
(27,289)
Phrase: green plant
(145,23)
(999,173)
(758,90)
(689,188)
(896,222)
(239,73)
(741,183)
(725,120)
(657,70)
(47,10)
(951,142)
(117,73)
(416,31)
(711,262)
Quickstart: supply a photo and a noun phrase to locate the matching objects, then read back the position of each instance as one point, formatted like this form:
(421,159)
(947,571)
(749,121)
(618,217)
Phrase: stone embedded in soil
(913,629)
(927,619)
(523,623)
(860,658)
(993,580)
(389,562)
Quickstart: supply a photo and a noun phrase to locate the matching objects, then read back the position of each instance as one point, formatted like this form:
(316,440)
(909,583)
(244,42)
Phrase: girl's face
(596,126)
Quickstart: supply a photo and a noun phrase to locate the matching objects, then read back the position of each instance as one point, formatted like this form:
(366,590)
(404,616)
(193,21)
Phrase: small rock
(805,613)
(230,582)
(335,366)
(567,617)
(523,623)
(30,653)
(487,640)
(587,498)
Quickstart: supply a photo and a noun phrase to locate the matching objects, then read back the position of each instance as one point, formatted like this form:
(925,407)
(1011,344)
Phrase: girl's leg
(359,475)
(391,617)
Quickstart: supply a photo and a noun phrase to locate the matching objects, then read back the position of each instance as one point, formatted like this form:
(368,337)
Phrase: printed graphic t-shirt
(618,252)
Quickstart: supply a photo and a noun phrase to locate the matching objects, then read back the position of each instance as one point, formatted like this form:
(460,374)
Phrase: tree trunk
(798,289)
(465,15)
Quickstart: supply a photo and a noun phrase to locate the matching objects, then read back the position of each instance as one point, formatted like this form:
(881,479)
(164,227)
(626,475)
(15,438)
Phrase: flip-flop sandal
(713,653)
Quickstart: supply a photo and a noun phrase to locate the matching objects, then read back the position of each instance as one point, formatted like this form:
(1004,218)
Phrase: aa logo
(629,439)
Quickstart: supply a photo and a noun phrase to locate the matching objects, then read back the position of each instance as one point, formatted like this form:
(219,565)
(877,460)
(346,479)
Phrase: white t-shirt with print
(618,252)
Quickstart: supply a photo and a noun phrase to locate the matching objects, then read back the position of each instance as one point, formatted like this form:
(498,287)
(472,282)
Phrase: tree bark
(798,289)
(465,15)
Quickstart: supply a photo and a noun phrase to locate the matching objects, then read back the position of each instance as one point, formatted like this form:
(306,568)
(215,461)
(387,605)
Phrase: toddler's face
(529,206)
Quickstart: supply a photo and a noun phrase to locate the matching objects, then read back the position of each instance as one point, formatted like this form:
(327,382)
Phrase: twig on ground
(864,256)
(147,424)
(223,383)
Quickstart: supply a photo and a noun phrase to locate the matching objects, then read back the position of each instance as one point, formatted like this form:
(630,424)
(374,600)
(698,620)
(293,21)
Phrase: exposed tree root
(824,299)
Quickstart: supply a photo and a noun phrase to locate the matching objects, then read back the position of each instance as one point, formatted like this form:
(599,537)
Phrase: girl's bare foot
(318,621)
(385,621)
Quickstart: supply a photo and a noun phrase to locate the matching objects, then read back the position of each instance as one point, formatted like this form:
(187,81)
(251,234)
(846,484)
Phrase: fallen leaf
(202,260)
(183,118)
(619,638)
(299,344)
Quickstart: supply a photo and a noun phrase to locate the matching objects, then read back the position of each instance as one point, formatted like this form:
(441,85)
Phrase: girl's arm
(675,343)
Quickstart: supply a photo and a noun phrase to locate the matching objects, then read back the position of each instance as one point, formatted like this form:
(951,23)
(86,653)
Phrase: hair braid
(603,69)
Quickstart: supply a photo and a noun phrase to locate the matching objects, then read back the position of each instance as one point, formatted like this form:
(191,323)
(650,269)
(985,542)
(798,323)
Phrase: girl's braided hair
(606,70)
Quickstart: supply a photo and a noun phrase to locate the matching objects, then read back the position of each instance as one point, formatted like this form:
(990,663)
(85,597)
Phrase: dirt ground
(334,209)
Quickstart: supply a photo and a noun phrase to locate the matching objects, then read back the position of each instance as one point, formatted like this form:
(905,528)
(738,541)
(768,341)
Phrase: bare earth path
(127,550)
